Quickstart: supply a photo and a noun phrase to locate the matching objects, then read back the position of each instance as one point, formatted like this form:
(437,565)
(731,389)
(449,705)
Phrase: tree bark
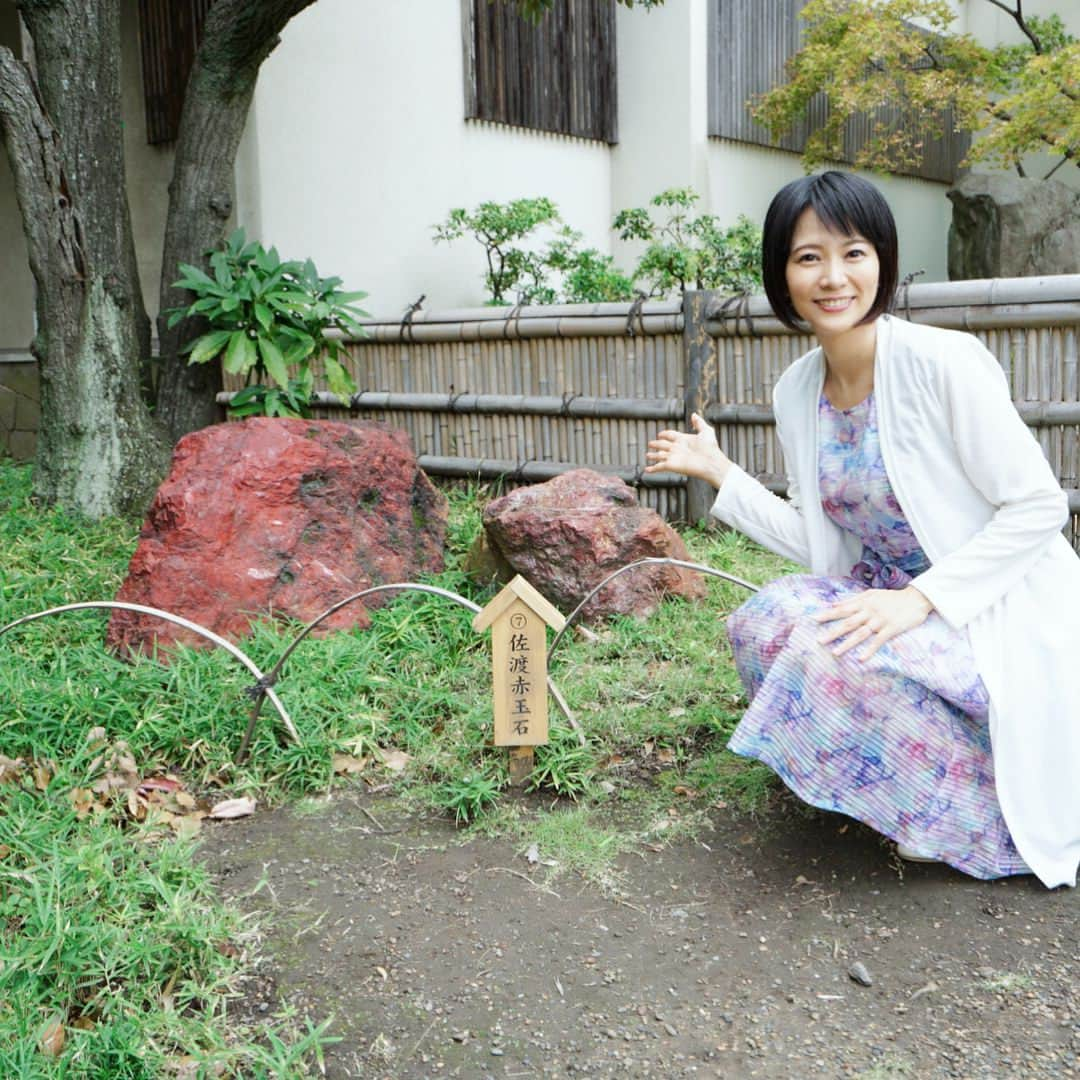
(99,452)
(237,38)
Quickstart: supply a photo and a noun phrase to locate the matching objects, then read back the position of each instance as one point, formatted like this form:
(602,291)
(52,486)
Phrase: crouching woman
(923,678)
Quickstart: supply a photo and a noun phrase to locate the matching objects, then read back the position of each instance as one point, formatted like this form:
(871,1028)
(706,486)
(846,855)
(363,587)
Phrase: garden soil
(791,944)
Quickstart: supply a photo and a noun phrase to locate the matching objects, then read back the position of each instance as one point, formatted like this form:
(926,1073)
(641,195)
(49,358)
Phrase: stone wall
(20,408)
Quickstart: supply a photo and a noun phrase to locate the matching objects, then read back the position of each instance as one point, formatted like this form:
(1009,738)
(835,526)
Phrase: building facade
(367,128)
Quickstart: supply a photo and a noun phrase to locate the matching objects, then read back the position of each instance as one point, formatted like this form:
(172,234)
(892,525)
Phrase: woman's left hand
(877,615)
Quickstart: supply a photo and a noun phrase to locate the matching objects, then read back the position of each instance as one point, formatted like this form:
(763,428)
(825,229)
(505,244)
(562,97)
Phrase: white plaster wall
(660,135)
(744,178)
(358,145)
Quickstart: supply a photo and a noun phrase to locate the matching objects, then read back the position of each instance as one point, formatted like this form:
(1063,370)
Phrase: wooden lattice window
(170,32)
(750,41)
(556,75)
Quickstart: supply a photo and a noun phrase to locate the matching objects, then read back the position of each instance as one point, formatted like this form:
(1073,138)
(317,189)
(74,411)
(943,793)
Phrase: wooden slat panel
(557,75)
(750,41)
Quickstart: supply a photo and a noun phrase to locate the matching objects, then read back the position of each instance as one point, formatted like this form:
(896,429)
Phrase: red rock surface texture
(565,536)
(279,517)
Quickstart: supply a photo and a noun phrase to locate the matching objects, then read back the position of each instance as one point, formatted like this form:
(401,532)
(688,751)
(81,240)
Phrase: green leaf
(271,403)
(303,386)
(264,316)
(197,281)
(355,329)
(273,361)
(249,393)
(339,380)
(208,346)
(299,351)
(240,355)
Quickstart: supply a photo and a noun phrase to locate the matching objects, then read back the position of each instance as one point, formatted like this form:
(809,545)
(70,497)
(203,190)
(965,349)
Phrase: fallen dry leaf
(43,773)
(95,735)
(83,800)
(136,805)
(233,808)
(186,825)
(666,755)
(187,1067)
(346,764)
(687,792)
(395,760)
(51,1043)
(10,768)
(614,762)
(159,783)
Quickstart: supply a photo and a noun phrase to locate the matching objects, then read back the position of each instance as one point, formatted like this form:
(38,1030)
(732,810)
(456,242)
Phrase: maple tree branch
(1069,153)
(1017,16)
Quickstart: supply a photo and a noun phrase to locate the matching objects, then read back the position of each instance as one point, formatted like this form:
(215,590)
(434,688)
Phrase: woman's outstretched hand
(694,453)
(877,616)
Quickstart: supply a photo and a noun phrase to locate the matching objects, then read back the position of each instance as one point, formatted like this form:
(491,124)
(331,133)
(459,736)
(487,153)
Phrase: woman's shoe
(908,855)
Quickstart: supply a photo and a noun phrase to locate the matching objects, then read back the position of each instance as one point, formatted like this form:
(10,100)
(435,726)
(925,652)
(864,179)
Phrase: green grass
(115,932)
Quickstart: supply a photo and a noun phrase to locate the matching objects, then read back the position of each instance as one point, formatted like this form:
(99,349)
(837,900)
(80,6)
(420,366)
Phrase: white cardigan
(988,512)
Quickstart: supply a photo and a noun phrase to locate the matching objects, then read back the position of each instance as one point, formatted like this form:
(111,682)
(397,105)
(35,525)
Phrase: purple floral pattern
(900,741)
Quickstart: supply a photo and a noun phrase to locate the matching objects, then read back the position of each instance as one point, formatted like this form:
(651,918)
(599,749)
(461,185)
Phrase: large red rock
(279,517)
(565,536)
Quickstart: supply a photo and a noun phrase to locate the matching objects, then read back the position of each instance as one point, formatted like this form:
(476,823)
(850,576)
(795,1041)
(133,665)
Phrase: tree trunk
(99,451)
(238,36)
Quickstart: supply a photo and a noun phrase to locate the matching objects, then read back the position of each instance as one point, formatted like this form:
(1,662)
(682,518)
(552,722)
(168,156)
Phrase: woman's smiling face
(832,278)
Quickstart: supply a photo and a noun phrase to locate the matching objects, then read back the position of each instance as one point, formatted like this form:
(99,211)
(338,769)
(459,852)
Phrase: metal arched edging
(267,682)
(262,687)
(698,567)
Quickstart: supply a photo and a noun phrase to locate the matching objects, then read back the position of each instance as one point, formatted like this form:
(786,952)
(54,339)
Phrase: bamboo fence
(524,394)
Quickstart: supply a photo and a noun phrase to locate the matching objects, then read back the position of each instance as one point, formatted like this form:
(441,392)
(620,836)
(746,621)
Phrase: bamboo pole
(1034,413)
(534,471)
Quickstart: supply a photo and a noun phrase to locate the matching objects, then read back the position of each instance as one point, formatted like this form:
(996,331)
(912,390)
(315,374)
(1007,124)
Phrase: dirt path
(728,957)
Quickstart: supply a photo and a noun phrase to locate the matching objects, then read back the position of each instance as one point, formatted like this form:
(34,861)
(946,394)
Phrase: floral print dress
(900,741)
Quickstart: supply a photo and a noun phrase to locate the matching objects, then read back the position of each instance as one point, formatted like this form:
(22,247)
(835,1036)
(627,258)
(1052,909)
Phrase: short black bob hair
(849,205)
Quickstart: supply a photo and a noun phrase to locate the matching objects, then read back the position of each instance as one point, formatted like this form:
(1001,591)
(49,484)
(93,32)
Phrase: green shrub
(685,252)
(266,317)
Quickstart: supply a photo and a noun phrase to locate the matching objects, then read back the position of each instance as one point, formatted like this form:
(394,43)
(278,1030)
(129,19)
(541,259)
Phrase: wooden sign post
(519,617)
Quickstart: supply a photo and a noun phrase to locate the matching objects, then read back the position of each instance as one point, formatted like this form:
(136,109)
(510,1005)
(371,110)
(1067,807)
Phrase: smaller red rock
(565,536)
